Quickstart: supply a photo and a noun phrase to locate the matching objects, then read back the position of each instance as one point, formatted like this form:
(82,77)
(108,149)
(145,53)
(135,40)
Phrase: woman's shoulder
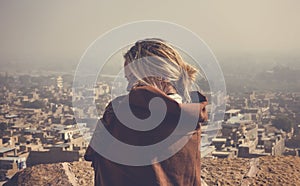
(109,109)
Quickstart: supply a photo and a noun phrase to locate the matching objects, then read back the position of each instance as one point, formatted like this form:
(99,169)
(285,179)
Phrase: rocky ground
(268,170)
(47,174)
(278,171)
(224,171)
(261,171)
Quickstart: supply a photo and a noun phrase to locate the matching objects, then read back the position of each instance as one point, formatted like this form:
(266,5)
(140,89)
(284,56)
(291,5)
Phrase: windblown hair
(153,60)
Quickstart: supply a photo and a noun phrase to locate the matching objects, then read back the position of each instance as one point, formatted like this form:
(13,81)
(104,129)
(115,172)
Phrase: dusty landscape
(261,171)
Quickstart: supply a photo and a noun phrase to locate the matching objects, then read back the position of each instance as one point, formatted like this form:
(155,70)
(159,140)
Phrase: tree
(283,122)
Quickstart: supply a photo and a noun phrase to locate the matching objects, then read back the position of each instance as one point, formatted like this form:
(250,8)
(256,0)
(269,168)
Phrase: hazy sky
(62,30)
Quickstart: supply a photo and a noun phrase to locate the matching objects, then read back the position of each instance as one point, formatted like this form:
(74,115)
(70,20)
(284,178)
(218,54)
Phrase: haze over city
(43,33)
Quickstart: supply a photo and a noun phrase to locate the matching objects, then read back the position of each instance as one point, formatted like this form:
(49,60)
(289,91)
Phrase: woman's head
(152,61)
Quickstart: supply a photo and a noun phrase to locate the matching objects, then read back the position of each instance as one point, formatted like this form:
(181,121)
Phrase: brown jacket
(183,168)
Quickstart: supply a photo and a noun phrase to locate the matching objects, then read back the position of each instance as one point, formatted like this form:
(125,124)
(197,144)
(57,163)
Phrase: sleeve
(89,154)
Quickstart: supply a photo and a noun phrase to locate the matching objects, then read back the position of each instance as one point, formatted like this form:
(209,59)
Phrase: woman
(153,68)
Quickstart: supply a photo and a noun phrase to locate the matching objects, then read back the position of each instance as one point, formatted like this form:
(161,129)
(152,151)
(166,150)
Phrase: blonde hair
(157,58)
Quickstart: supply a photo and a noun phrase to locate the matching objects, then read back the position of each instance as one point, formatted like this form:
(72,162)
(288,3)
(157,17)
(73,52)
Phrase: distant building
(8,151)
(231,113)
(274,145)
(241,136)
(10,163)
(59,82)
(54,154)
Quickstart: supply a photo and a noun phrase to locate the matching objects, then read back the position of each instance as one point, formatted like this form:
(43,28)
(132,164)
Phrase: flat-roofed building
(8,151)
